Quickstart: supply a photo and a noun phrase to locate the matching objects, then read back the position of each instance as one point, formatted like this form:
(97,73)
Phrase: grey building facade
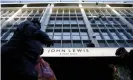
(74,24)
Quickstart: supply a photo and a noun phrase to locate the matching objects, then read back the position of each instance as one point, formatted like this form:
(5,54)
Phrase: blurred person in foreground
(20,54)
(126,58)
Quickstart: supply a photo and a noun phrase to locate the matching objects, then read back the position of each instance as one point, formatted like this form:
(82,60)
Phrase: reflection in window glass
(114,35)
(77,45)
(131,34)
(66,33)
(112,44)
(105,22)
(82,27)
(57,44)
(66,38)
(112,22)
(66,44)
(123,35)
(57,33)
(75,33)
(57,37)
(76,37)
(58,21)
(103,33)
(102,44)
(84,38)
(51,22)
(73,22)
(50,27)
(122,44)
(80,22)
(66,22)
(83,33)
(98,37)
(107,37)
(50,33)
(97,22)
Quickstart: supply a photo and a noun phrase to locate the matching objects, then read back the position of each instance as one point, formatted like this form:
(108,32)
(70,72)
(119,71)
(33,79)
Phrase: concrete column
(46,16)
(122,18)
(15,14)
(88,25)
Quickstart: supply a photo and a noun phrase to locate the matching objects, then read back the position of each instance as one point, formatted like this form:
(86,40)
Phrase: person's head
(37,23)
(121,52)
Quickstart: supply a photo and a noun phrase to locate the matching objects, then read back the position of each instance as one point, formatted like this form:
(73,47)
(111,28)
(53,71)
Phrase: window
(112,44)
(84,38)
(57,44)
(57,37)
(105,35)
(66,44)
(66,27)
(97,22)
(58,21)
(73,22)
(98,37)
(76,37)
(9,36)
(122,44)
(111,22)
(57,27)
(66,38)
(105,22)
(123,36)
(82,27)
(66,33)
(74,27)
(75,33)
(66,22)
(131,34)
(77,45)
(80,22)
(57,33)
(102,43)
(49,33)
(114,35)
(51,22)
(50,27)
(83,33)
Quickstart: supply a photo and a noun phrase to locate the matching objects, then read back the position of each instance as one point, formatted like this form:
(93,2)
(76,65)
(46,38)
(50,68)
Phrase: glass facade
(70,26)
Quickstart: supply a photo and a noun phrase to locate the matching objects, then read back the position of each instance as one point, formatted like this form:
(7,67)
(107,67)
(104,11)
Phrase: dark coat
(20,53)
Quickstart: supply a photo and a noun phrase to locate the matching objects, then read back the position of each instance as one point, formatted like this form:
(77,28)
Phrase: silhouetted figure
(90,45)
(126,58)
(20,54)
